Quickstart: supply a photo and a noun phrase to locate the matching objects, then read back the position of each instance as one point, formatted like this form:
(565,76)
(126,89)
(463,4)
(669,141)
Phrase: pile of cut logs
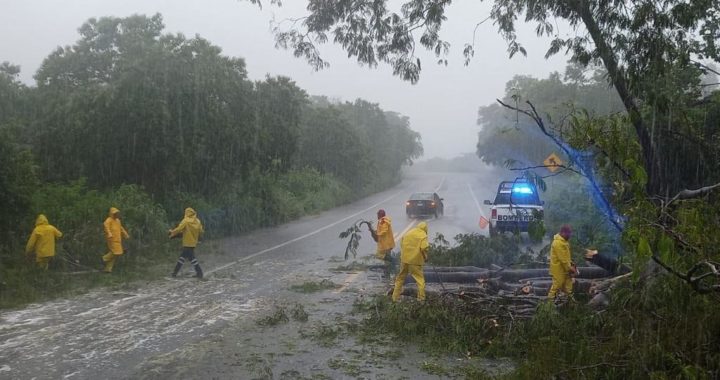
(516,290)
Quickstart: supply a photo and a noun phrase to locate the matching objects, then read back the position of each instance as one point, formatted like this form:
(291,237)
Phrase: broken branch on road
(355,234)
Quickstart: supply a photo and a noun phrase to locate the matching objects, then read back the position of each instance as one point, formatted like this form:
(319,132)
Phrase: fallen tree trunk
(600,291)
(539,287)
(508,275)
(519,274)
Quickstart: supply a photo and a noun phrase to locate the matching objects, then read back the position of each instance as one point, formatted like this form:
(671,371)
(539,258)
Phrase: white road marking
(264,251)
(440,185)
(400,234)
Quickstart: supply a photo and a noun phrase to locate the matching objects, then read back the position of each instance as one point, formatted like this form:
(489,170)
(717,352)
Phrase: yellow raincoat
(114,232)
(414,245)
(413,255)
(385,236)
(42,241)
(190,227)
(560,267)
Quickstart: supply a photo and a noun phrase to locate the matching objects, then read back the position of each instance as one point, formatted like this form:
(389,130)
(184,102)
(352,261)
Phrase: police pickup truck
(516,205)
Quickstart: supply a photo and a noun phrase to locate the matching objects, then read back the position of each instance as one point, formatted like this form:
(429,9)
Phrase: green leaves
(666,249)
(638,176)
(643,249)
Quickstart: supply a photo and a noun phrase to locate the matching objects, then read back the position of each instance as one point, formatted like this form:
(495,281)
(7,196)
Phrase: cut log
(514,275)
(610,264)
(540,287)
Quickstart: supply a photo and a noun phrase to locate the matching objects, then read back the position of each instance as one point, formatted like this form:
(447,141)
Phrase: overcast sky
(442,106)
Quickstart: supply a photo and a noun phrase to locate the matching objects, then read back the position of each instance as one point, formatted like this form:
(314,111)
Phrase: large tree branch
(696,282)
(705,67)
(564,167)
(585,170)
(689,194)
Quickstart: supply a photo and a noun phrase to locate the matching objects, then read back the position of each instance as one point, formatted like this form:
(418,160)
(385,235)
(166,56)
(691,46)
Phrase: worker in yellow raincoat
(42,242)
(562,268)
(114,233)
(413,255)
(191,228)
(384,236)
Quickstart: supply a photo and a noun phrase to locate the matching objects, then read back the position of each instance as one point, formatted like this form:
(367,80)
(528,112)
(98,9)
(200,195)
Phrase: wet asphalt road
(114,334)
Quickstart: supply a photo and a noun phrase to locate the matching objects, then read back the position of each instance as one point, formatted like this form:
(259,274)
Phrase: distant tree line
(130,104)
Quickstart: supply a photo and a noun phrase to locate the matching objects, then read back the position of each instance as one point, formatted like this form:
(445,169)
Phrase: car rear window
(421,197)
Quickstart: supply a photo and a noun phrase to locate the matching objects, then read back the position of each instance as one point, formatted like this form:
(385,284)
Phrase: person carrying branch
(383,235)
(562,269)
(413,255)
(42,242)
(191,228)
(114,233)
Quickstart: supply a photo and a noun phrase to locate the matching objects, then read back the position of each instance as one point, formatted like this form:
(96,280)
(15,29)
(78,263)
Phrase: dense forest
(151,122)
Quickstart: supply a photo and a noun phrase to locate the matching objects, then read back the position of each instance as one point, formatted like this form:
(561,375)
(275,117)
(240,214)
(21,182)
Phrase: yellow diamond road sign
(553,162)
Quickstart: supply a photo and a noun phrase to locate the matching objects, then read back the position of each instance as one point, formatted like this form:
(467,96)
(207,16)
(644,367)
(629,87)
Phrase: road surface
(181,328)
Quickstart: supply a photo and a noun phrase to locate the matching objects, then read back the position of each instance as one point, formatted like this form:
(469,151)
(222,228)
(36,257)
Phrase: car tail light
(494,214)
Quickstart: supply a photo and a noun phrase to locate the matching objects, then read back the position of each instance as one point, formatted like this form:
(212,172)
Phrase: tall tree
(17,172)
(279,103)
(127,104)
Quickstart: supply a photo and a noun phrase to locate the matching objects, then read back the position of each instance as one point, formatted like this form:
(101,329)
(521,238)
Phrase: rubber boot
(198,271)
(178,266)
(175,272)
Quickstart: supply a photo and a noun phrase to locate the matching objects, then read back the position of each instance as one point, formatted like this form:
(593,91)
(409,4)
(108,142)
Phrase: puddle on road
(327,345)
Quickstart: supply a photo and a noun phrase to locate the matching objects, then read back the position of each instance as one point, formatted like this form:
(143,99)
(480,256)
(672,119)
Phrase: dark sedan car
(424,204)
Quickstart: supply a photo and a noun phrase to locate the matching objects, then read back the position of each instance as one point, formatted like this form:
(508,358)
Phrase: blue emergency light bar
(522,189)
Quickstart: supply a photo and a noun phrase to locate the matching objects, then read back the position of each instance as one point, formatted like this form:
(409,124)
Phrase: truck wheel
(436,214)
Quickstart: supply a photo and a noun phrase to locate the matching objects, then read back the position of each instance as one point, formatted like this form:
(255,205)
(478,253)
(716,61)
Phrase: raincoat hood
(113,211)
(41,220)
(560,238)
(191,219)
(190,227)
(423,226)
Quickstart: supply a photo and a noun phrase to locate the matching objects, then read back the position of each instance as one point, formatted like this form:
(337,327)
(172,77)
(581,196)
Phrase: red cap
(381,213)
(565,229)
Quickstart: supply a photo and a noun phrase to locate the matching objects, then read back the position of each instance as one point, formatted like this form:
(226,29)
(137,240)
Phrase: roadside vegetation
(150,122)
(649,330)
